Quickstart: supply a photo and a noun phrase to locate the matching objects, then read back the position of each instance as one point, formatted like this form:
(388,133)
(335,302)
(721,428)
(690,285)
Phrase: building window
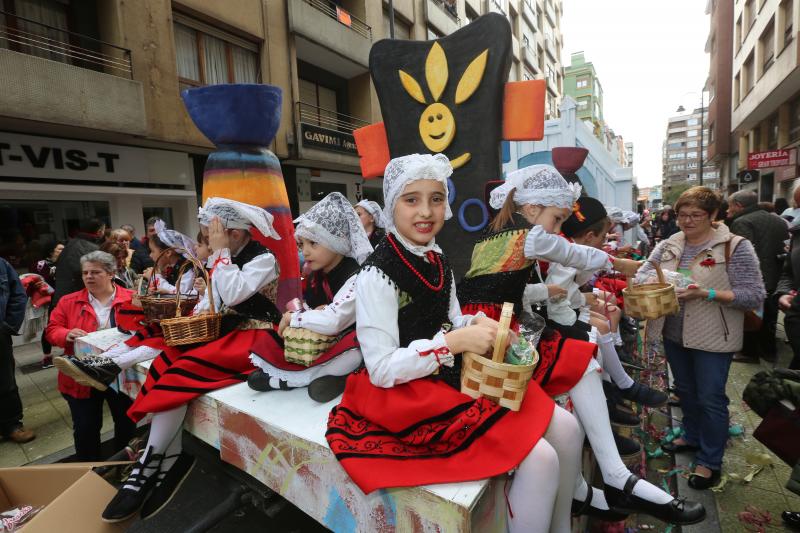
(583,104)
(322,108)
(738,36)
(42,41)
(692,176)
(787,16)
(767,44)
(206,59)
(692,133)
(772,132)
(749,14)
(691,155)
(583,82)
(794,121)
(401,29)
(526,75)
(433,34)
(691,144)
(749,74)
(321,189)
(471,15)
(736,90)
(692,122)
(711,133)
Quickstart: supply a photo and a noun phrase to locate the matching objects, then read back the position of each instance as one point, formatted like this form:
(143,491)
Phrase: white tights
(541,493)
(126,357)
(165,438)
(592,413)
(611,362)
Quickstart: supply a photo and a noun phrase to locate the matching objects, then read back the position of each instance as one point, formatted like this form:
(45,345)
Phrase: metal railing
(449,9)
(338,13)
(34,38)
(328,118)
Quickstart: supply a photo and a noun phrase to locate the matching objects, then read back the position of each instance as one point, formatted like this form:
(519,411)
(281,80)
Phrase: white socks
(165,438)
(611,363)
(593,415)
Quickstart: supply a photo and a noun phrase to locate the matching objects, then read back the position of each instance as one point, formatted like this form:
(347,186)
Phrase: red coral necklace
(432,257)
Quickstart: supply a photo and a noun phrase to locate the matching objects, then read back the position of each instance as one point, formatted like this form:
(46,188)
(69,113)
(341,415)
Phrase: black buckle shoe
(168,484)
(585,508)
(258,380)
(679,511)
(98,372)
(128,501)
(644,395)
(326,388)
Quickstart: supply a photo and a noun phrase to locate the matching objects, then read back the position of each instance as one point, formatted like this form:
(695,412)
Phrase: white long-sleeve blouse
(231,285)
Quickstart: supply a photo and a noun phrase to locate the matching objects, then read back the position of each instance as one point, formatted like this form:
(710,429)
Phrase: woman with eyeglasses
(724,282)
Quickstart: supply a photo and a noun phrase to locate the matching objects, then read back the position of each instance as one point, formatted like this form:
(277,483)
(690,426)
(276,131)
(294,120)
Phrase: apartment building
(582,84)
(766,95)
(681,158)
(628,154)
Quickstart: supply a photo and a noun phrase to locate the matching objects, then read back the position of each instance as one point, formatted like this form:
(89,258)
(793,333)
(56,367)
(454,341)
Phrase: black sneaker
(626,447)
(128,501)
(326,388)
(678,511)
(168,485)
(644,395)
(585,508)
(258,380)
(98,372)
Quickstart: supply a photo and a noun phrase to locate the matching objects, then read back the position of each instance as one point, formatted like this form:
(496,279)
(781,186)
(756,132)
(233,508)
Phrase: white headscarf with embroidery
(536,185)
(403,170)
(175,239)
(237,215)
(334,223)
(374,209)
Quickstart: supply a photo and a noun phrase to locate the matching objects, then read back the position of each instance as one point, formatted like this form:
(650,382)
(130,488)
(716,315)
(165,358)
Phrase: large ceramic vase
(242,120)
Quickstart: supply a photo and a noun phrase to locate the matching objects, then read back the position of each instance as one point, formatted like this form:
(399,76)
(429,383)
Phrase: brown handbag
(752,322)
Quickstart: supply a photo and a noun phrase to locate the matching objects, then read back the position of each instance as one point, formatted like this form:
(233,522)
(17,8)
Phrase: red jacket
(75,311)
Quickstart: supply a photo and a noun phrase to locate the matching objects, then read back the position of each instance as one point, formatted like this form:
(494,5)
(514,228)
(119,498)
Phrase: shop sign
(325,139)
(30,156)
(771,158)
(748,176)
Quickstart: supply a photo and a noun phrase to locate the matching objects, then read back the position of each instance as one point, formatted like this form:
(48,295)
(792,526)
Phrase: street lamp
(681,109)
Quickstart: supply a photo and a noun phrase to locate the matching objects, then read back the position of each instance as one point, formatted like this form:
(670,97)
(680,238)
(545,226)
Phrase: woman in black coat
(786,293)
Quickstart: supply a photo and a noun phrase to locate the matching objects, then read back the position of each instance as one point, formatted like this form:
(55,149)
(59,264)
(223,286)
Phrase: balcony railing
(328,118)
(34,38)
(450,9)
(343,16)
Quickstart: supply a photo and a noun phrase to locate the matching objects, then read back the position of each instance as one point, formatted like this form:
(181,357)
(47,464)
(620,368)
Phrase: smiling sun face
(437,127)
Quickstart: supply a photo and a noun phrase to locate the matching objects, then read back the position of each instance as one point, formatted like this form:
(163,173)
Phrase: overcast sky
(648,56)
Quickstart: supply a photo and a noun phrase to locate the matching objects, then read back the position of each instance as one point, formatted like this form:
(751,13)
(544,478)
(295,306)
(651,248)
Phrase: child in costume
(371,217)
(244,276)
(533,203)
(169,249)
(587,226)
(334,245)
(402,421)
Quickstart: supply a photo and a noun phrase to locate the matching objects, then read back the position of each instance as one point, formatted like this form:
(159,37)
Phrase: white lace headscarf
(631,217)
(403,170)
(536,185)
(374,209)
(616,215)
(175,239)
(334,223)
(237,215)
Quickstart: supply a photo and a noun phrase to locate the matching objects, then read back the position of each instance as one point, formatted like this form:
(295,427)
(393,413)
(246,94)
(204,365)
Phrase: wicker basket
(183,330)
(303,346)
(503,383)
(159,306)
(650,301)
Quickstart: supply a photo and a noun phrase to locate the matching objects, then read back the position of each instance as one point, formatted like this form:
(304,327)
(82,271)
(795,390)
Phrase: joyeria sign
(771,158)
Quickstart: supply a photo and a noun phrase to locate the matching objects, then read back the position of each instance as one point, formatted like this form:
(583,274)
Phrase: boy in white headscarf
(244,278)
(334,245)
(372,218)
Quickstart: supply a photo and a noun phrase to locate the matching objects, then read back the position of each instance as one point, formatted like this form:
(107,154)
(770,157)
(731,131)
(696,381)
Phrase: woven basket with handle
(503,383)
(159,306)
(204,327)
(303,346)
(650,301)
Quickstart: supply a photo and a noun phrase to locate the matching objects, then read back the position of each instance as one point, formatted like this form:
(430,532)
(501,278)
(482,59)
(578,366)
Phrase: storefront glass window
(320,189)
(27,227)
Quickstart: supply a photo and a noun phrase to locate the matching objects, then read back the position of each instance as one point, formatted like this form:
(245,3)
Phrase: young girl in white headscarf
(403,420)
(244,276)
(372,219)
(533,203)
(334,245)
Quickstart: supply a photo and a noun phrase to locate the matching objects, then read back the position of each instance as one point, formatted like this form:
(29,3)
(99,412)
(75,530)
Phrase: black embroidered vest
(258,306)
(499,269)
(377,236)
(316,293)
(423,312)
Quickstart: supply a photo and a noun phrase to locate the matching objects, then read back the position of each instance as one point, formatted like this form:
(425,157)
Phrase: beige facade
(681,157)
(766,90)
(143,53)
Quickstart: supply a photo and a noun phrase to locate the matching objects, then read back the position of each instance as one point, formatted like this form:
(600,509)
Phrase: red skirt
(265,349)
(614,286)
(426,432)
(562,361)
(176,377)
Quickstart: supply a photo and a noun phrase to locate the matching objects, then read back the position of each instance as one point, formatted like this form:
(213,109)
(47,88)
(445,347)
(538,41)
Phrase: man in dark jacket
(12,313)
(767,232)
(787,295)
(68,266)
